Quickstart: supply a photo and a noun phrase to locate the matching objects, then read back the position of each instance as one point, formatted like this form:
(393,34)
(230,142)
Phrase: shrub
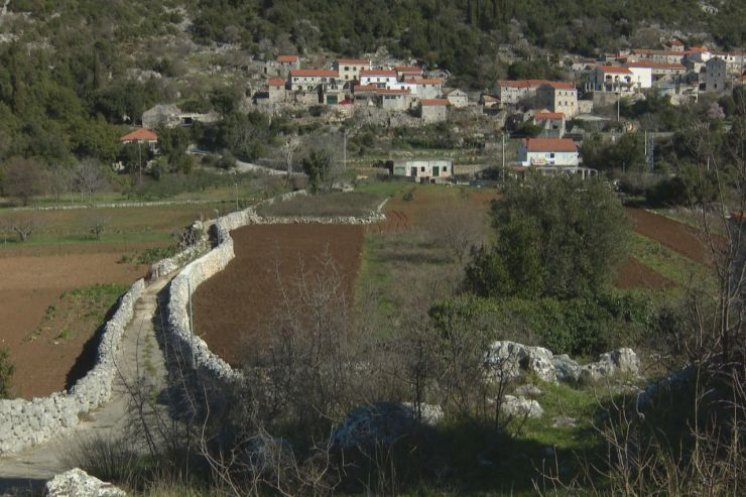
(6,372)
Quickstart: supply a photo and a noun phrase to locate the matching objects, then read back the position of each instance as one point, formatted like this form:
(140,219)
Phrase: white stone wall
(24,423)
(192,349)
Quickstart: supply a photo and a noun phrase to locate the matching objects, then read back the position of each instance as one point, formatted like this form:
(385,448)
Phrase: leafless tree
(456,226)
(89,178)
(23,225)
(23,179)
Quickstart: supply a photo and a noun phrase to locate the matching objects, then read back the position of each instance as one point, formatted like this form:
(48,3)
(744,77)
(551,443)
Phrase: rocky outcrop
(78,483)
(509,359)
(521,407)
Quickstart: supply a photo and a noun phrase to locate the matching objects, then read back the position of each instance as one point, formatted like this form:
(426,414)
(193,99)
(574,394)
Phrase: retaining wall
(24,423)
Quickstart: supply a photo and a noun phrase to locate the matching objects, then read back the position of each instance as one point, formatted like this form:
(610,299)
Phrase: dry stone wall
(24,423)
(191,349)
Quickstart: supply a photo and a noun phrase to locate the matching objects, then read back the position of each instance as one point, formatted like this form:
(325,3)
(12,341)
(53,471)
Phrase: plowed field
(634,274)
(235,306)
(47,361)
(675,235)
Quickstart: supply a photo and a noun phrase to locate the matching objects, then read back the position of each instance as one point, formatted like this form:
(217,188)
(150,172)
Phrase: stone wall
(191,349)
(24,423)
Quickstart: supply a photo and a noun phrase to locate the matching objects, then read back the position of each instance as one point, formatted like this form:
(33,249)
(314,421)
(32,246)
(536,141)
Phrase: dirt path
(141,356)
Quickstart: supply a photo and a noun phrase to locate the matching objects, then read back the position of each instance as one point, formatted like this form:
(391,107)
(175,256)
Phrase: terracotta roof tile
(428,102)
(550,145)
(285,59)
(546,116)
(140,135)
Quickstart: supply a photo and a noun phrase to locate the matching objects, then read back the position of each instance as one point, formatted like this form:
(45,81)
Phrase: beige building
(434,110)
(457,98)
(310,80)
(559,97)
(349,69)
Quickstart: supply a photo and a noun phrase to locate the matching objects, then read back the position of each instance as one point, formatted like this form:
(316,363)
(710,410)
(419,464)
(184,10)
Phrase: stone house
(170,116)
(393,99)
(457,98)
(350,69)
(433,110)
(288,63)
(558,97)
(552,124)
(405,72)
(716,75)
(276,91)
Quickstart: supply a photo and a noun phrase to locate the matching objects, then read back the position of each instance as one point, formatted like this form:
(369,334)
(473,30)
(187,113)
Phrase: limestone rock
(529,390)
(77,483)
(521,407)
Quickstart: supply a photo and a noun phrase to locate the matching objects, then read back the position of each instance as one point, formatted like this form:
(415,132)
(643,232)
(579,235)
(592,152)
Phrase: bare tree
(89,178)
(23,225)
(23,179)
(456,226)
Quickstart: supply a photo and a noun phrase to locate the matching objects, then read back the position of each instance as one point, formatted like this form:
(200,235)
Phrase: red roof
(656,65)
(614,69)
(276,82)
(550,145)
(546,116)
(287,59)
(559,85)
(521,83)
(354,62)
(313,73)
(385,91)
(378,72)
(426,81)
(365,88)
(139,135)
(428,102)
(408,69)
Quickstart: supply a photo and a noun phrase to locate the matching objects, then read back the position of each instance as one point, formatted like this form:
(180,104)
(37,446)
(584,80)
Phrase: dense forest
(66,68)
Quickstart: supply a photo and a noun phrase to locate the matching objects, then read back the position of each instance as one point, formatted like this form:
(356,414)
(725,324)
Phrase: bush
(6,372)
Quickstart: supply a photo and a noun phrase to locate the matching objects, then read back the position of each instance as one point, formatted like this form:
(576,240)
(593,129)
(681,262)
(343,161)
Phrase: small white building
(611,79)
(382,78)
(423,170)
(548,152)
(312,79)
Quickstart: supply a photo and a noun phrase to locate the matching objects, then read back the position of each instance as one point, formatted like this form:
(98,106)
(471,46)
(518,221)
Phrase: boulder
(566,369)
(521,407)
(529,390)
(77,483)
(369,426)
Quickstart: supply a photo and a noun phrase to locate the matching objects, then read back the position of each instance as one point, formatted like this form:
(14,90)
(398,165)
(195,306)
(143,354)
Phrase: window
(422,169)
(551,155)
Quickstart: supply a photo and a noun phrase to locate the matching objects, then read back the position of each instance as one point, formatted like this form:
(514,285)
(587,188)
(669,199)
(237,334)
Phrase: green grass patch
(669,263)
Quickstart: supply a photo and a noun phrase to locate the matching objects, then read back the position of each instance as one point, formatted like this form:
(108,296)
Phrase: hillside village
(396,248)
(562,113)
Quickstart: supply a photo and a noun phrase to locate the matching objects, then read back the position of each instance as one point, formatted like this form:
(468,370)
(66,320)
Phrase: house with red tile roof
(434,110)
(141,135)
(548,152)
(558,96)
(552,124)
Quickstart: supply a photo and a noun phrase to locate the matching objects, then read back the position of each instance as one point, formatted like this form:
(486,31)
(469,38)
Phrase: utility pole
(344,149)
(503,161)
(618,100)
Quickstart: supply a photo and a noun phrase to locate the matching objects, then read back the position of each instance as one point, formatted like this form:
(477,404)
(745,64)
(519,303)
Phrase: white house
(611,79)
(311,79)
(548,152)
(423,170)
(382,78)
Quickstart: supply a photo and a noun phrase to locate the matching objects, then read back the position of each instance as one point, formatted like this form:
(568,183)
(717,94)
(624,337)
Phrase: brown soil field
(29,285)
(634,274)
(402,214)
(234,307)
(677,236)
